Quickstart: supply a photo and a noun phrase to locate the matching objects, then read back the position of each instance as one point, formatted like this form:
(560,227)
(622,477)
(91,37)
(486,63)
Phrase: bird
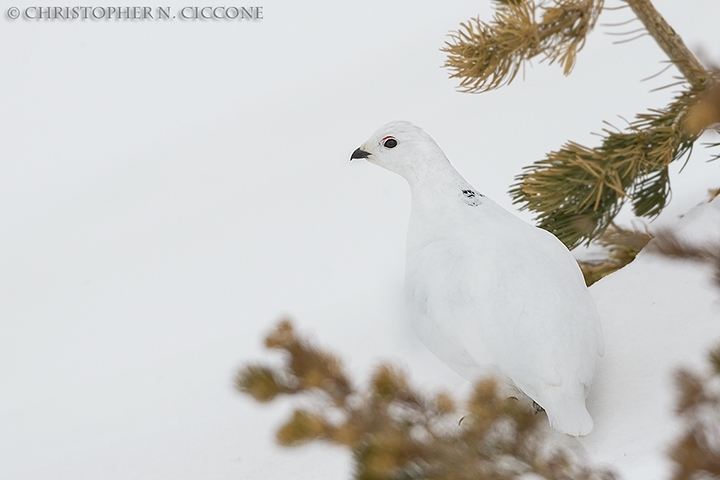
(487,292)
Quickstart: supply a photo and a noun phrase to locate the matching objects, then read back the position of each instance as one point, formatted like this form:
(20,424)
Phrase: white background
(169,189)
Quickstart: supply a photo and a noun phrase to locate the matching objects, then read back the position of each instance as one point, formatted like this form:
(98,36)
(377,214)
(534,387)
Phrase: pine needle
(622,245)
(485,56)
(396,431)
(577,191)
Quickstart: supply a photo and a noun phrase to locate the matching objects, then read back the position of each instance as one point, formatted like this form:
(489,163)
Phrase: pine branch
(670,42)
(668,244)
(696,454)
(705,114)
(577,191)
(397,432)
(623,246)
(485,56)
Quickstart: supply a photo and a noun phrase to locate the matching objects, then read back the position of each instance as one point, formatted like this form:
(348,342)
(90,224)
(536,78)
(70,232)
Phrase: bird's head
(403,148)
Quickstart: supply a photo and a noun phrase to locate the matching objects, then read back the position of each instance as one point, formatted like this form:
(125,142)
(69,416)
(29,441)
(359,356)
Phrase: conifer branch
(696,454)
(623,245)
(397,432)
(577,191)
(485,56)
(705,114)
(669,41)
(667,243)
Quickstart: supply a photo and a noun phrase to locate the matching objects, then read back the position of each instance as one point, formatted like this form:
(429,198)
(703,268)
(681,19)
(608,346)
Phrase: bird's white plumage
(487,292)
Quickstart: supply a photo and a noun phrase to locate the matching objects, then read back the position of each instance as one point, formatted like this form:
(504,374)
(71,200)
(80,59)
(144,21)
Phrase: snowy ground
(169,189)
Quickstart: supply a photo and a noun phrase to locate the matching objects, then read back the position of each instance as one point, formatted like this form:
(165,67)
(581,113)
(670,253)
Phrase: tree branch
(670,42)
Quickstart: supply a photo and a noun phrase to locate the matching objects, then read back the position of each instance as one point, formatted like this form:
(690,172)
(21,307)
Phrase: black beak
(359,154)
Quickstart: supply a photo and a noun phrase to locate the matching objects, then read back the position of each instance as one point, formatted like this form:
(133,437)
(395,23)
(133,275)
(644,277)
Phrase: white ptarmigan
(488,293)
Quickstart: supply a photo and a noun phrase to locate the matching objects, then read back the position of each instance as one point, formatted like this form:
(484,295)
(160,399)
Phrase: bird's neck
(437,184)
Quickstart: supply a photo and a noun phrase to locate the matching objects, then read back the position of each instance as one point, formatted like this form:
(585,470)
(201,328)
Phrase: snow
(658,315)
(169,190)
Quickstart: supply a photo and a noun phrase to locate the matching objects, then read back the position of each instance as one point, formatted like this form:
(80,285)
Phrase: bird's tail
(568,414)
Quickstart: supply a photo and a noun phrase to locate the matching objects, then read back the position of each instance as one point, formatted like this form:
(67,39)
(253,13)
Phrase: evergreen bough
(576,192)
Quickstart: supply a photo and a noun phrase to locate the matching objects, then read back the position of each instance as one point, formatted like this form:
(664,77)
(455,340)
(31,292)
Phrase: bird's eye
(389,142)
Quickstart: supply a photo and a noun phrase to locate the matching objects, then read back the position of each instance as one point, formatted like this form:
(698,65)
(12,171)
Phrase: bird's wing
(528,298)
